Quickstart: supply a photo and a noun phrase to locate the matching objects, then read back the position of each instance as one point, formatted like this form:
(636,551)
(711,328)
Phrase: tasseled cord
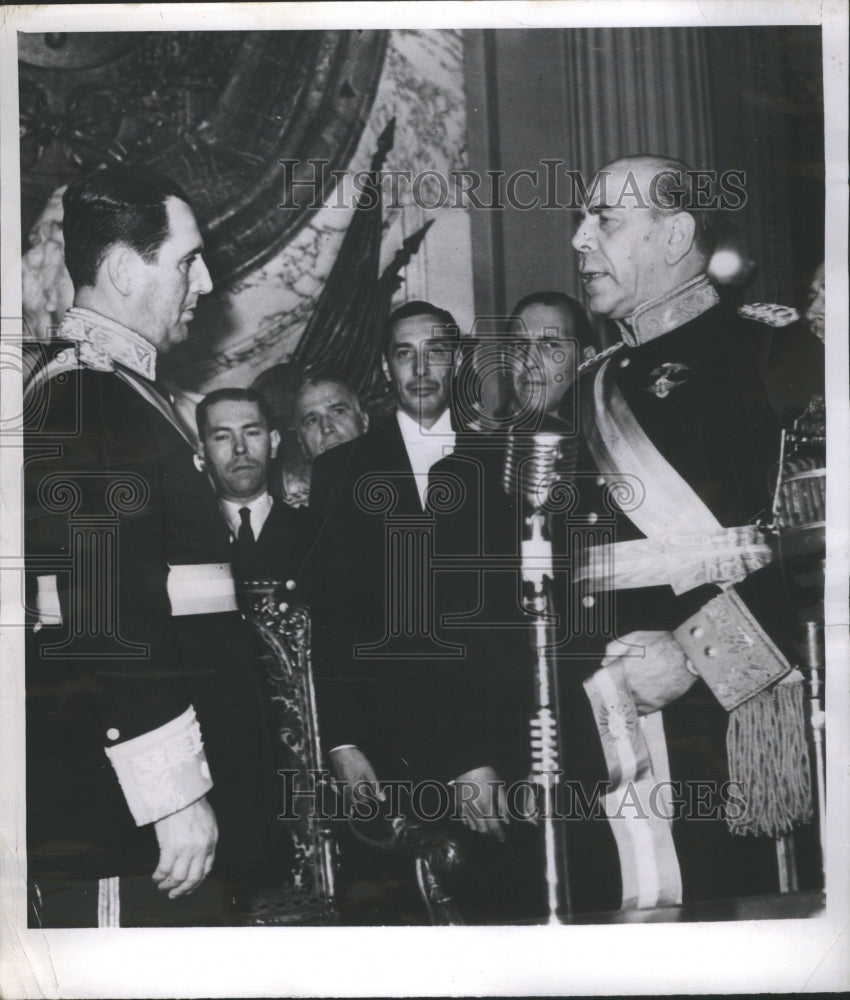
(769,762)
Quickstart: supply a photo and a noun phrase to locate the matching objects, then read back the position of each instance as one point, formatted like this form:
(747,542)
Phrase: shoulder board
(770,313)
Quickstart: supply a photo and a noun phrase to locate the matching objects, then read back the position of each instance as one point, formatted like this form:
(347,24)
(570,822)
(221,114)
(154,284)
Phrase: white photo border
(747,956)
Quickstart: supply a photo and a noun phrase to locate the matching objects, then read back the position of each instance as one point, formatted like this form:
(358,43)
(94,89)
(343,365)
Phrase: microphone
(537,467)
(535,462)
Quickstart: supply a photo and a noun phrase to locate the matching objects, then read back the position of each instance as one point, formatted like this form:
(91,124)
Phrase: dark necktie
(243,548)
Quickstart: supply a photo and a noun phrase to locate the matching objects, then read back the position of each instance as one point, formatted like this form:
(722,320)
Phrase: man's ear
(680,236)
(121,265)
(274,443)
(385,368)
(364,419)
(198,459)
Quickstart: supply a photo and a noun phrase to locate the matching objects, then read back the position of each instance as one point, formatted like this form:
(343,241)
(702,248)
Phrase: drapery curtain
(637,90)
(722,98)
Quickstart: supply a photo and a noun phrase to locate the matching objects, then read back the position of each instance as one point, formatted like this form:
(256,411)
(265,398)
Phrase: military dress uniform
(142,693)
(677,464)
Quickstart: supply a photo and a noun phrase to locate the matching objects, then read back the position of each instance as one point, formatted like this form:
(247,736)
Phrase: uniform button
(592,517)
(112,734)
(625,362)
(697,631)
(710,651)
(600,480)
(588,601)
(290,585)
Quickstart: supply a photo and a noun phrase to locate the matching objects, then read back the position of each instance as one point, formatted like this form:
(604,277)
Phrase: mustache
(422,383)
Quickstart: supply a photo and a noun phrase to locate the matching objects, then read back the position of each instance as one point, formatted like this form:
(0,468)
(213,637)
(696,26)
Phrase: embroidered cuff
(732,652)
(164,770)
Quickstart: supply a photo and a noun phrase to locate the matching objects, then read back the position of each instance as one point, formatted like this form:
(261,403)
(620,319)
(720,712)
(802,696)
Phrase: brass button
(710,651)
(588,601)
(592,517)
(697,631)
(112,734)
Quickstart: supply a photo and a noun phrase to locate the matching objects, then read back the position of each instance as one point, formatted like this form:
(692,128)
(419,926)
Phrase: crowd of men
(151,786)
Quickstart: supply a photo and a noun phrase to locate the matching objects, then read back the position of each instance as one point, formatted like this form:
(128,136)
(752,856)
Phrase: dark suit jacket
(412,697)
(276,553)
(102,463)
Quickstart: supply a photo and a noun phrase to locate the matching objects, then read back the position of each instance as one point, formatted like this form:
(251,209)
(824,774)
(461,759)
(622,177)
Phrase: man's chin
(176,335)
(426,408)
(601,305)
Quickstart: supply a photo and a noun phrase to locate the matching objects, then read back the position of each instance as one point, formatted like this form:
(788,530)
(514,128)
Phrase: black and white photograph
(425,498)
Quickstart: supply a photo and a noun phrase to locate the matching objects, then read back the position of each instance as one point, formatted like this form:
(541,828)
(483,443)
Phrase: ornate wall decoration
(214,110)
(269,266)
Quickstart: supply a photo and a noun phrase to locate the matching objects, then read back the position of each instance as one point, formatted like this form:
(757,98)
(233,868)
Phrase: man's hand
(187,841)
(480,798)
(352,769)
(656,678)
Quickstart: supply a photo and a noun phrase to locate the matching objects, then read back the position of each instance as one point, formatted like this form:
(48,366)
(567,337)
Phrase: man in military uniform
(675,630)
(147,769)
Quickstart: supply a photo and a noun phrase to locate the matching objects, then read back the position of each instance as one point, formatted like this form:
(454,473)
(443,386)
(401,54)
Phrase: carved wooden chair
(308,896)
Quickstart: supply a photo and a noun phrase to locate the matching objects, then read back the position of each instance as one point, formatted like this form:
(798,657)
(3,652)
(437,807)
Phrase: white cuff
(164,770)
(47,600)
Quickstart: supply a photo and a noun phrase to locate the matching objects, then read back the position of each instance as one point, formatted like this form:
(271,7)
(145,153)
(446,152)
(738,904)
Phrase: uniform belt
(201,589)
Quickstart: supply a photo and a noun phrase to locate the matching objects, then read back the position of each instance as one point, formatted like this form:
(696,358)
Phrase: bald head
(640,234)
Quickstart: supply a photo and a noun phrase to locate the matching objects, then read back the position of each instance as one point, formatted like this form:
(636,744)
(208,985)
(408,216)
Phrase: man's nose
(201,276)
(239,445)
(583,238)
(325,425)
(420,363)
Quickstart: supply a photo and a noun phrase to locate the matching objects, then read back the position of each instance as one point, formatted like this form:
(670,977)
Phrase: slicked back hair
(443,319)
(231,396)
(118,205)
(560,300)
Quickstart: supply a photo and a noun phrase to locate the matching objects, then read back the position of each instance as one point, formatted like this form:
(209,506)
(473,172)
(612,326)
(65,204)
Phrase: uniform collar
(103,342)
(669,311)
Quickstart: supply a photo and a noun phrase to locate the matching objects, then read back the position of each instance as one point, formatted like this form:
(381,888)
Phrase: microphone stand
(531,469)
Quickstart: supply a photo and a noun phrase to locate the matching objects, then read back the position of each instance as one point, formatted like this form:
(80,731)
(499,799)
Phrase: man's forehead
(415,329)
(323,394)
(624,184)
(182,224)
(538,316)
(227,412)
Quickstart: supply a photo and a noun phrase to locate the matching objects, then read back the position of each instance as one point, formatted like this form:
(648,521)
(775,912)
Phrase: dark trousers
(136,903)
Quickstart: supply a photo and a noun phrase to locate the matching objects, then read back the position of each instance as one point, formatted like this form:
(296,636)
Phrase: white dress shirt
(425,447)
(260,509)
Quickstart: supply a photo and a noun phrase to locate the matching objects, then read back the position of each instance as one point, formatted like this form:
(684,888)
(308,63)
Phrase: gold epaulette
(769,312)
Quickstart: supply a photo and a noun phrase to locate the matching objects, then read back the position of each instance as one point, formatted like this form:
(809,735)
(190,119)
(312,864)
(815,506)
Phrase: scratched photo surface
(415,454)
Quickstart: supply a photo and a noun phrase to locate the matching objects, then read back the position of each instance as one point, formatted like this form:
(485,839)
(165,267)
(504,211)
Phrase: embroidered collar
(668,311)
(102,343)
